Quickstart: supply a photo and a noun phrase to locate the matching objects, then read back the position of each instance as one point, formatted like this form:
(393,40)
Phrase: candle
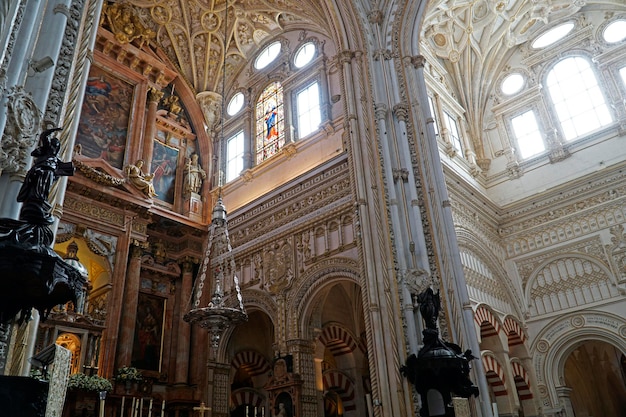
(141,408)
(150,408)
(132,408)
(163,409)
(136,408)
(123,401)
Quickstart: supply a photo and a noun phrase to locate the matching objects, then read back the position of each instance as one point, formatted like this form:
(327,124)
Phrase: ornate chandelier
(218,259)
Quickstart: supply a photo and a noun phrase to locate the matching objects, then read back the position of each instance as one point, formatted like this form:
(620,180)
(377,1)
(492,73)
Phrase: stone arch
(254,363)
(321,275)
(247,396)
(487,321)
(338,340)
(479,260)
(560,337)
(495,374)
(514,331)
(340,383)
(522,380)
(570,280)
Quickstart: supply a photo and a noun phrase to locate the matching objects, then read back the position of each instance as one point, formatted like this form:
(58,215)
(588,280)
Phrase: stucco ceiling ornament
(191,32)
(23,120)
(211,105)
(125,23)
(418,280)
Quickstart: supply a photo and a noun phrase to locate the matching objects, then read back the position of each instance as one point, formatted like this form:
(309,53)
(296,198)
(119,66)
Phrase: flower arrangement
(128,373)
(84,382)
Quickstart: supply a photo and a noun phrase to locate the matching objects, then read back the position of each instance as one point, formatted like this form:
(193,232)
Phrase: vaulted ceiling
(192,32)
(473,39)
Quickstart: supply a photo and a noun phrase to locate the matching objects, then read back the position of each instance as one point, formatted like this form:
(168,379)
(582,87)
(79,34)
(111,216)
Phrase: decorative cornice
(98,176)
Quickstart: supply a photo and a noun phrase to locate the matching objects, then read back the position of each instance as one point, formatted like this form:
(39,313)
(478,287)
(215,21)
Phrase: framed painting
(105,115)
(164,164)
(148,340)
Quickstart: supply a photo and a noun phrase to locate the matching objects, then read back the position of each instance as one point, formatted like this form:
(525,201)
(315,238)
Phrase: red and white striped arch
(338,340)
(253,362)
(342,385)
(522,382)
(488,322)
(514,332)
(495,375)
(246,396)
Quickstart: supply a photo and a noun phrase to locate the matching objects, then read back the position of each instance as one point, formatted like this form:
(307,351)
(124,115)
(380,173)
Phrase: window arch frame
(293,80)
(601,84)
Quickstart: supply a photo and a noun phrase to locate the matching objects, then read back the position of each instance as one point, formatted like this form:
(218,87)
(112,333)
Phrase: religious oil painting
(164,163)
(148,341)
(104,121)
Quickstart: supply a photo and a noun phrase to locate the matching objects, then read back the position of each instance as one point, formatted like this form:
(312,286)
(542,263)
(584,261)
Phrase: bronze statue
(32,274)
(46,169)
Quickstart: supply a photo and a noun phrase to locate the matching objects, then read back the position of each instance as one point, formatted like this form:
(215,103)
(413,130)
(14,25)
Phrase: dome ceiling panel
(475,40)
(191,33)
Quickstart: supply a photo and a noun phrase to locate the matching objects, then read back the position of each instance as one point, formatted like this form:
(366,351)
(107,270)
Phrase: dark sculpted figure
(45,171)
(32,274)
(430,304)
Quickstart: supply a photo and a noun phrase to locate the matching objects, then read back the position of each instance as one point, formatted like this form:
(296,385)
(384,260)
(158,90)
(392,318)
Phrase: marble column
(184,329)
(565,400)
(154,97)
(131,291)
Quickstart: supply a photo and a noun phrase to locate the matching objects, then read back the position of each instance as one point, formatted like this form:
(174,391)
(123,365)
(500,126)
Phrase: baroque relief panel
(569,281)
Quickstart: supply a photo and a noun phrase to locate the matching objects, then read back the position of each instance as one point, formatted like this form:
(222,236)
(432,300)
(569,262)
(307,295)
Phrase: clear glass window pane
(512,83)
(553,35)
(526,131)
(268,55)
(453,129)
(270,121)
(615,32)
(433,114)
(235,104)
(234,156)
(308,108)
(577,98)
(304,55)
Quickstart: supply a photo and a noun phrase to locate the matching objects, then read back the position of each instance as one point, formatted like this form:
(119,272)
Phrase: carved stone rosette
(23,120)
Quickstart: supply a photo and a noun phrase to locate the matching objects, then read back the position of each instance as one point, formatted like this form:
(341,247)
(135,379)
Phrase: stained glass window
(270,121)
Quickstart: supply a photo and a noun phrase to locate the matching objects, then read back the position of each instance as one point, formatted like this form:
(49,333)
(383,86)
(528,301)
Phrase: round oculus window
(267,55)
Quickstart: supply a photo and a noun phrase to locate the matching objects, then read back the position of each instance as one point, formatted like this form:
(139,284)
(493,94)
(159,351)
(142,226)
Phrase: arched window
(234,156)
(577,98)
(308,108)
(526,130)
(270,121)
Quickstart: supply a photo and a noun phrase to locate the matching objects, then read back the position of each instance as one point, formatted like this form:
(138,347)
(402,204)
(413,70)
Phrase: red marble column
(184,328)
(154,96)
(129,312)
(115,305)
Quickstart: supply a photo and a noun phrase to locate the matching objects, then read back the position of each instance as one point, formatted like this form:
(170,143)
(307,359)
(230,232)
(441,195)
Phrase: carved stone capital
(154,95)
(380,110)
(401,111)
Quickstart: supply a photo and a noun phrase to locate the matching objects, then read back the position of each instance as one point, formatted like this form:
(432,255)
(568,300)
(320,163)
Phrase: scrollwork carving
(23,120)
